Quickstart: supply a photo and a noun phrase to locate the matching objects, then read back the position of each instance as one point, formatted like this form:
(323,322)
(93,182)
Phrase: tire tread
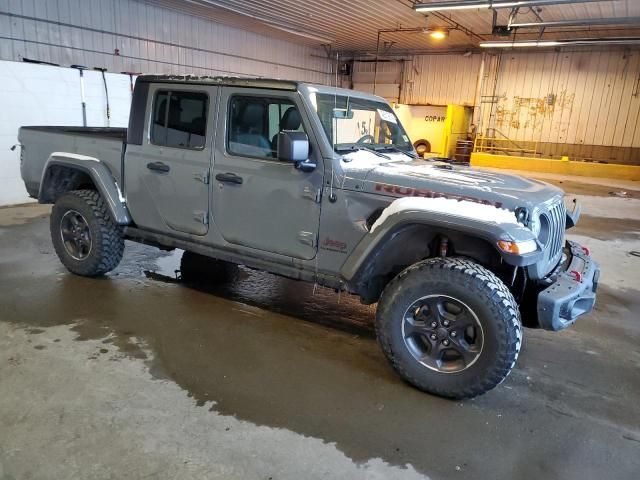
(502,302)
(111,246)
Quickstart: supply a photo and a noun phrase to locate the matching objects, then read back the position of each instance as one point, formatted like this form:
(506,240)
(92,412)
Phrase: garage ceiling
(354,26)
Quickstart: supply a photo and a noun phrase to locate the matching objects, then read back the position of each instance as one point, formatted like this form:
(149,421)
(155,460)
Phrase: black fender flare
(99,174)
(396,222)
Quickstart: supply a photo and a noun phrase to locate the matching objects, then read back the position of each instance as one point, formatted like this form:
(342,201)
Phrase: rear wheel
(85,237)
(449,327)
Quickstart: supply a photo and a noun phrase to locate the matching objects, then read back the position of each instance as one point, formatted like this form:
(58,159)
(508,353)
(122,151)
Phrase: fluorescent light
(560,43)
(525,44)
(475,4)
(435,8)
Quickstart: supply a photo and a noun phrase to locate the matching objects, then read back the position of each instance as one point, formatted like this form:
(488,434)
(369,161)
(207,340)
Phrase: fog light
(518,248)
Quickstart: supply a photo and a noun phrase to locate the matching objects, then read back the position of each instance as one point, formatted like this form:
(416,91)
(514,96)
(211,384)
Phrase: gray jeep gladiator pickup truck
(323,185)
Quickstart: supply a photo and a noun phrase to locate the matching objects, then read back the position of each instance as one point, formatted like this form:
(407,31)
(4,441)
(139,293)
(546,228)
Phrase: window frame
(329,135)
(275,96)
(170,91)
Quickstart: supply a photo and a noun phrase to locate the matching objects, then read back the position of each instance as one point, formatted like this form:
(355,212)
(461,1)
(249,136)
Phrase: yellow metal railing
(489,144)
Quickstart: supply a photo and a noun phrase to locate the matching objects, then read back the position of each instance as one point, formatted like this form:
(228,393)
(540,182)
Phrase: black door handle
(158,167)
(229,178)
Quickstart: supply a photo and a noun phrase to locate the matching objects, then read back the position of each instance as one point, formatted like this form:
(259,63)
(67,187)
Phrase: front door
(260,202)
(167,177)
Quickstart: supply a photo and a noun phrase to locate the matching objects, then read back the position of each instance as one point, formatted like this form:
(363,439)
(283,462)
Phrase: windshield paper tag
(387,116)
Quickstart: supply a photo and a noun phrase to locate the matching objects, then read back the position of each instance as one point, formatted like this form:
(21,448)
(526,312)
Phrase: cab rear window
(179,119)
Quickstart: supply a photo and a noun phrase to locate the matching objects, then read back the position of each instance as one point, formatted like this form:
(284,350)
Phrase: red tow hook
(586,251)
(577,276)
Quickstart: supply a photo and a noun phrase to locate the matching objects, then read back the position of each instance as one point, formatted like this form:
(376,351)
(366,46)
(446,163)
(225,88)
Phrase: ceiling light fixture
(561,43)
(523,44)
(476,4)
(437,7)
(439,34)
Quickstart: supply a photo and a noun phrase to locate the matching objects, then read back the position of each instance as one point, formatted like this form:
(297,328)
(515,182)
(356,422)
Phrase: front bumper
(573,291)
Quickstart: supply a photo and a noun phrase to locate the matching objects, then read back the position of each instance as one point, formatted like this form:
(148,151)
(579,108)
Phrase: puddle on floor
(277,294)
(261,348)
(167,266)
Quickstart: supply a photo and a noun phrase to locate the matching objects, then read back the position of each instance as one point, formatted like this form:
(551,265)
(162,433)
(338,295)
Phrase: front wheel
(87,240)
(449,327)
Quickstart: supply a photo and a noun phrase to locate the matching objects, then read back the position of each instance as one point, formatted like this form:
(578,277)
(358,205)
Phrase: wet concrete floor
(279,353)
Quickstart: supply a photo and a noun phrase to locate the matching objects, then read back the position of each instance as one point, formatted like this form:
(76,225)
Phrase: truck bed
(39,142)
(95,132)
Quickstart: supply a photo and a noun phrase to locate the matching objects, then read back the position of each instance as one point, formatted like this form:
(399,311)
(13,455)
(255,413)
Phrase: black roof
(231,81)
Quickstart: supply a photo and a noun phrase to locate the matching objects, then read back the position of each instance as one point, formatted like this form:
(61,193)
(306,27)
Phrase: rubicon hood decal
(426,193)
(397,177)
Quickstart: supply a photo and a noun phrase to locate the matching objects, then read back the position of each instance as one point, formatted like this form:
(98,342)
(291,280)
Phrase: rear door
(260,202)
(167,177)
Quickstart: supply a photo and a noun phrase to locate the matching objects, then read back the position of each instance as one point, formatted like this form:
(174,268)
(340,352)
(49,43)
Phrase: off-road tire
(488,298)
(107,241)
(196,268)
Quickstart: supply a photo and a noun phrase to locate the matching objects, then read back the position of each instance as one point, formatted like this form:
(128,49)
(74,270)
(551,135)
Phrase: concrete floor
(137,375)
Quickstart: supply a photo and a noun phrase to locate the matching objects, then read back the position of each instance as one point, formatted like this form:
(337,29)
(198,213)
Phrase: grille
(557,218)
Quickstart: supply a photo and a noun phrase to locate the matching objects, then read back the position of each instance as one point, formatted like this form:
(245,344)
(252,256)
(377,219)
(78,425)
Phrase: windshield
(351,123)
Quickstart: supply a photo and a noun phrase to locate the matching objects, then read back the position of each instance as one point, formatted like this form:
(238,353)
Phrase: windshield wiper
(353,148)
(396,149)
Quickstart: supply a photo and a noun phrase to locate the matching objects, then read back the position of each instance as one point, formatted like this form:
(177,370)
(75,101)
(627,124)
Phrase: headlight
(529,220)
(522,214)
(535,224)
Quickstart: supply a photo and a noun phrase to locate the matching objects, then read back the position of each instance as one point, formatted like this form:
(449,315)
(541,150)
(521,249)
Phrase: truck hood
(399,177)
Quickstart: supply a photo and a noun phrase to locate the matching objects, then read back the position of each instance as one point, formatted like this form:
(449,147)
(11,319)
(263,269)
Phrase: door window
(254,123)
(179,119)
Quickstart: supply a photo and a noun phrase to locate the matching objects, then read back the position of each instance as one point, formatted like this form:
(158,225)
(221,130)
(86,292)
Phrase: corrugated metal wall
(387,77)
(149,39)
(589,98)
(584,104)
(441,79)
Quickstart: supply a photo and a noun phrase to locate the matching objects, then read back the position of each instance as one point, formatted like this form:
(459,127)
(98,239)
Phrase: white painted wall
(46,95)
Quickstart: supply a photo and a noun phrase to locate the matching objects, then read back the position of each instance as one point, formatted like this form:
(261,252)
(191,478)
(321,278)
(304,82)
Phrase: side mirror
(294,147)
